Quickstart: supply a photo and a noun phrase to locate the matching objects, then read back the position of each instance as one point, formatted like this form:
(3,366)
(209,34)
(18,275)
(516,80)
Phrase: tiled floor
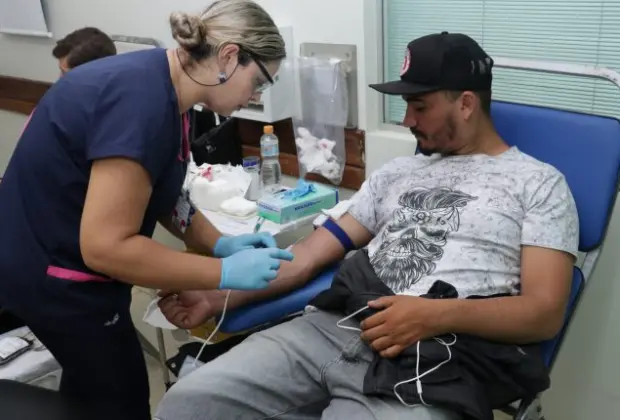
(155,381)
(502,416)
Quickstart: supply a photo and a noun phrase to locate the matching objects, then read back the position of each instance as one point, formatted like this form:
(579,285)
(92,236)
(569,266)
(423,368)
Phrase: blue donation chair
(585,148)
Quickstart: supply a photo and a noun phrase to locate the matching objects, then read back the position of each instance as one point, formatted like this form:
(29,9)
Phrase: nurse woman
(101,162)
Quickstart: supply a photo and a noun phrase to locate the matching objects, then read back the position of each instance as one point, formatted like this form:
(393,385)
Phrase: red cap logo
(406,62)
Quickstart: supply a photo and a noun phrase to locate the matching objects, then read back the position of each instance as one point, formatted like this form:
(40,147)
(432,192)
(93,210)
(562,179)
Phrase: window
(574,31)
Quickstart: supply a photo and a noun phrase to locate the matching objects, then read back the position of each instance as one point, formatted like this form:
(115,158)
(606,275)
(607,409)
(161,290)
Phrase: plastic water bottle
(271,172)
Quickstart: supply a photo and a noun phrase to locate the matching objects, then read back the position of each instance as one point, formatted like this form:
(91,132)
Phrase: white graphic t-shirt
(463,220)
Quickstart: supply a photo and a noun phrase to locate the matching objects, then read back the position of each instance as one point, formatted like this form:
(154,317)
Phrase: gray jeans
(304,369)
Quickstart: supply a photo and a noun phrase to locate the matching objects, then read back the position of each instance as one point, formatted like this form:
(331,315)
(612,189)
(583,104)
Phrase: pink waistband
(73,275)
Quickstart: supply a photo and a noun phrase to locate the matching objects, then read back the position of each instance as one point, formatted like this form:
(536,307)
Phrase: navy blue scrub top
(120,106)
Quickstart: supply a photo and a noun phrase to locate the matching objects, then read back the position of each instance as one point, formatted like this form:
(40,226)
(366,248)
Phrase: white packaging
(211,185)
(209,195)
(235,175)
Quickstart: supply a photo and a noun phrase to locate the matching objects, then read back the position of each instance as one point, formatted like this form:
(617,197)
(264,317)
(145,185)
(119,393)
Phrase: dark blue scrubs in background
(120,106)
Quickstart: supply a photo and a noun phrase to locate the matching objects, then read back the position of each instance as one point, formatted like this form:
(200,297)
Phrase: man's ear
(63,64)
(469,101)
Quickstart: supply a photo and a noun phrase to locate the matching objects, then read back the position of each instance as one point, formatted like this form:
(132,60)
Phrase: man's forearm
(291,277)
(515,319)
(312,255)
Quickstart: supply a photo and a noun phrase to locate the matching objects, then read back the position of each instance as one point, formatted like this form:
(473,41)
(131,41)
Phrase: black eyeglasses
(263,70)
(261,88)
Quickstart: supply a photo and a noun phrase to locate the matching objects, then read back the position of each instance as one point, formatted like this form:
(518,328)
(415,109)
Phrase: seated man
(469,214)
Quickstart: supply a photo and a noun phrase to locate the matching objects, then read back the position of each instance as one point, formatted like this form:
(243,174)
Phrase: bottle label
(270,151)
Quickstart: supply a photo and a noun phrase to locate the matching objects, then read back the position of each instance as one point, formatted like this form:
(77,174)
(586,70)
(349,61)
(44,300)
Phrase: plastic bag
(319,127)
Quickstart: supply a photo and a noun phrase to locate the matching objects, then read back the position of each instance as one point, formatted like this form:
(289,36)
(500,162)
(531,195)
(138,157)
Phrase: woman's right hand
(252,269)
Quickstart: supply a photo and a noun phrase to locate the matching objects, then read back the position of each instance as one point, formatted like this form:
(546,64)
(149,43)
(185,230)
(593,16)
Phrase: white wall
(11,125)
(586,376)
(30,57)
(585,383)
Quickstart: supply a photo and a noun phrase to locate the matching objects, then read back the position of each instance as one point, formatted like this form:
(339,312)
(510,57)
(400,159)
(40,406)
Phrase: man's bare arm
(536,315)
(316,252)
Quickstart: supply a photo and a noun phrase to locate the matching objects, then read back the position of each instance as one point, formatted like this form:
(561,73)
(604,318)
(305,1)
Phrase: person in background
(82,46)
(102,161)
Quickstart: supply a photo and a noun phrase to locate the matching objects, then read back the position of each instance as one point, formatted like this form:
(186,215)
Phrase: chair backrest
(586,149)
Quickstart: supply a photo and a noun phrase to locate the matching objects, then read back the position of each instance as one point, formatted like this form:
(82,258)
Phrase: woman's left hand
(228,245)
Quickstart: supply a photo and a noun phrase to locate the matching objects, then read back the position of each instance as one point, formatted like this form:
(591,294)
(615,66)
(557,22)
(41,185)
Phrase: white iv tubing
(418,378)
(217,328)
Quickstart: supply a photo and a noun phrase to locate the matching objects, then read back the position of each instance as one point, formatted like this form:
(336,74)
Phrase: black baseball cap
(442,61)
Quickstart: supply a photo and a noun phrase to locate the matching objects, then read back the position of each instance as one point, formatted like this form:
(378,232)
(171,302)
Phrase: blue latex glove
(252,269)
(228,245)
(302,189)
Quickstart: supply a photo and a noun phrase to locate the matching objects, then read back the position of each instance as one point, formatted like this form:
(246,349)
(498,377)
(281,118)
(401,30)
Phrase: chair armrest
(259,313)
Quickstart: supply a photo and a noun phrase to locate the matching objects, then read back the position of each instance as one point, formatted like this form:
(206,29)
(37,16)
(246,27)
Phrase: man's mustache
(417,133)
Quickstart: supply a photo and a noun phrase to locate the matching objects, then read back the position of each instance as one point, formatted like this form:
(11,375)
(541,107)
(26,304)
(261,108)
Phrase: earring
(222,77)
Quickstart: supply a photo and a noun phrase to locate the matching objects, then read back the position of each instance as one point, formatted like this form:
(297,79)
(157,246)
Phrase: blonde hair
(240,22)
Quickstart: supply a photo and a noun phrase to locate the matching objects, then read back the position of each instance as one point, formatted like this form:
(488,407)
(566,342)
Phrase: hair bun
(187,30)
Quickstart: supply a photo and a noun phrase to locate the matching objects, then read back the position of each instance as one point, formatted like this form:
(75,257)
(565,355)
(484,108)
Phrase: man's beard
(400,274)
(445,136)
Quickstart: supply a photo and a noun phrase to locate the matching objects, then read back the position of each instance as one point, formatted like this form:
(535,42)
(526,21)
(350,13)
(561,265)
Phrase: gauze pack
(238,207)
